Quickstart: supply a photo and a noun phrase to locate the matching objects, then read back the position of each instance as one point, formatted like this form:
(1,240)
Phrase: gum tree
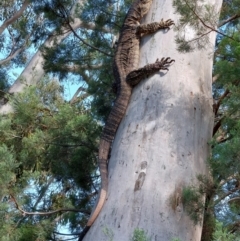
(162,144)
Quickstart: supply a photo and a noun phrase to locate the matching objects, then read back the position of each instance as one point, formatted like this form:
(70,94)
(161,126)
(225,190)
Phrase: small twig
(89,45)
(15,16)
(207,26)
(199,36)
(65,15)
(225,195)
(228,20)
(24,213)
(66,234)
(234,199)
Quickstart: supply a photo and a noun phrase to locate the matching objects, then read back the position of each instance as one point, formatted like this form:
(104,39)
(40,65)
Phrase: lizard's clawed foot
(166,24)
(163,63)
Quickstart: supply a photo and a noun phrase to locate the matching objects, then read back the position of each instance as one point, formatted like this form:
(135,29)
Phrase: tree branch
(220,198)
(75,98)
(14,53)
(24,213)
(65,15)
(216,127)
(234,199)
(14,17)
(215,78)
(75,68)
(66,234)
(87,44)
(217,105)
(207,26)
(43,191)
(228,20)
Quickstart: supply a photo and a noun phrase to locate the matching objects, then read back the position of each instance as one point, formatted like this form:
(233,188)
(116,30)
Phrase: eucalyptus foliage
(48,160)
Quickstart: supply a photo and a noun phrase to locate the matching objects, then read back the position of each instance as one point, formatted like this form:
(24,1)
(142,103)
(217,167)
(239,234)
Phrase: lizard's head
(143,6)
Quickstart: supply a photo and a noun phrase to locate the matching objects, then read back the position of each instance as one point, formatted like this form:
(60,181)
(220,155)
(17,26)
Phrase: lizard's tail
(104,148)
(107,137)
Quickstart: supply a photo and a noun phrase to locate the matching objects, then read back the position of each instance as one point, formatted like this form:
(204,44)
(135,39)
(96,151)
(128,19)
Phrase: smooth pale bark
(34,70)
(31,74)
(15,16)
(164,137)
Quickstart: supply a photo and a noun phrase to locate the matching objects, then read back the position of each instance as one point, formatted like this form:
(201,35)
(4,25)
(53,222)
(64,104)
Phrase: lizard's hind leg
(135,76)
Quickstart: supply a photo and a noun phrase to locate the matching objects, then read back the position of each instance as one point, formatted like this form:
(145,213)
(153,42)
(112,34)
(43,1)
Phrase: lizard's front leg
(150,28)
(134,77)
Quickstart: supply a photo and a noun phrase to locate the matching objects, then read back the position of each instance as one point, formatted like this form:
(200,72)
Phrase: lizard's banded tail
(116,114)
(103,157)
(102,162)
(107,137)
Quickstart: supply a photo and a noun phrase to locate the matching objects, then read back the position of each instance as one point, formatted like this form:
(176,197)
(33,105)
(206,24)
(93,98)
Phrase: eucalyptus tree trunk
(162,143)
(34,71)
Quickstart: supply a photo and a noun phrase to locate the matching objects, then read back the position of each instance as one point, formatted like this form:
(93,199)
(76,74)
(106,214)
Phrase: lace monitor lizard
(127,75)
